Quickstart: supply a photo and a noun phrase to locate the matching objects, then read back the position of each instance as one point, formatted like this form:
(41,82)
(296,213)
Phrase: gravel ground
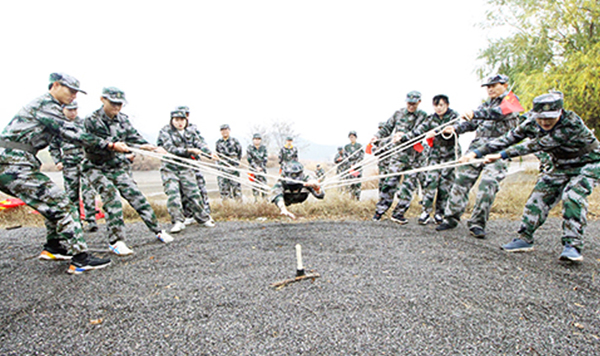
(384,290)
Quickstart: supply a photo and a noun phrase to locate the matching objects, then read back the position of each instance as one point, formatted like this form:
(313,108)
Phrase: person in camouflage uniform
(320,173)
(287,153)
(180,181)
(443,149)
(401,123)
(294,187)
(575,153)
(257,156)
(380,149)
(108,172)
(355,155)
(489,122)
(229,150)
(342,164)
(187,210)
(31,130)
(68,158)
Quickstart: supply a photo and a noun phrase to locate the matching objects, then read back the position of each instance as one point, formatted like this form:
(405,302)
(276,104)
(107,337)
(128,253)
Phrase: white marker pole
(300,267)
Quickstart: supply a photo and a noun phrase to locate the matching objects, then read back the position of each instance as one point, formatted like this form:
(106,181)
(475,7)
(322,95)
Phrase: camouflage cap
(413,97)
(340,148)
(381,124)
(292,168)
(289,138)
(185,109)
(114,95)
(318,166)
(496,78)
(66,80)
(352,133)
(257,135)
(224,127)
(72,105)
(178,113)
(547,106)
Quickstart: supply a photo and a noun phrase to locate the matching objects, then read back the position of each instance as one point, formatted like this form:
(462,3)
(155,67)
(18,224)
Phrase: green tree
(548,45)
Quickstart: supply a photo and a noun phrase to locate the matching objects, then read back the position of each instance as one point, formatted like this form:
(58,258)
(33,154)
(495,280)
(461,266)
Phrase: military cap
(72,105)
(318,166)
(381,124)
(340,148)
(178,113)
(547,106)
(413,97)
(224,127)
(66,80)
(289,138)
(496,78)
(185,109)
(257,135)
(352,133)
(114,95)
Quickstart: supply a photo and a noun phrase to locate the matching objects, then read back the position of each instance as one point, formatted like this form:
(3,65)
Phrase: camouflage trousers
(77,185)
(229,188)
(39,192)
(110,183)
(355,188)
(383,170)
(390,187)
(187,209)
(570,187)
(260,178)
(437,187)
(178,184)
(466,176)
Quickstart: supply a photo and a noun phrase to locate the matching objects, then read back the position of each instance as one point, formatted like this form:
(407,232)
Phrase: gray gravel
(384,290)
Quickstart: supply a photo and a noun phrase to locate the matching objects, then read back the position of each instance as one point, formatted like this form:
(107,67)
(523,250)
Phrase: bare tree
(263,131)
(280,130)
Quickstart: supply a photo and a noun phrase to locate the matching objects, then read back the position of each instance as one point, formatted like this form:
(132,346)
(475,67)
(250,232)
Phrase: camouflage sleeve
(424,127)
(388,128)
(295,154)
(201,144)
(68,131)
(249,155)
(510,138)
(277,193)
(55,151)
(489,113)
(280,156)
(465,126)
(238,148)
(165,140)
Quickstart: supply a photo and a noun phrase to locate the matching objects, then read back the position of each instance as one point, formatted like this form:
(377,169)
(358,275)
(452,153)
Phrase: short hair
(440,97)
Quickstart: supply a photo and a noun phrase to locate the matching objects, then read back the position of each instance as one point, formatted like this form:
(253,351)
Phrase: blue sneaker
(518,245)
(570,253)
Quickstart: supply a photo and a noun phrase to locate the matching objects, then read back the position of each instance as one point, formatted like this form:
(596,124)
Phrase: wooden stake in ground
(300,272)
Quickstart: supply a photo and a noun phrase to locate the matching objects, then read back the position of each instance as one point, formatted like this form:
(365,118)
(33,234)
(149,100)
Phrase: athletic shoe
(85,262)
(570,253)
(376,217)
(423,219)
(400,219)
(445,226)
(55,252)
(164,237)
(177,227)
(438,219)
(477,232)
(120,249)
(188,221)
(518,245)
(208,223)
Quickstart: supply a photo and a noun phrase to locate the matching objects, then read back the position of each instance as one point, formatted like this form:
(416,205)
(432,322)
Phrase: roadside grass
(336,206)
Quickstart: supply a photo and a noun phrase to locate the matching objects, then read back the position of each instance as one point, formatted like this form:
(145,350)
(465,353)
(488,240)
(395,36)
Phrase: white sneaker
(163,237)
(177,227)
(424,218)
(120,249)
(188,221)
(209,223)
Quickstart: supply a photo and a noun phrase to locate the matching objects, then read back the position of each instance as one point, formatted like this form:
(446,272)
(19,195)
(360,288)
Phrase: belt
(560,154)
(18,146)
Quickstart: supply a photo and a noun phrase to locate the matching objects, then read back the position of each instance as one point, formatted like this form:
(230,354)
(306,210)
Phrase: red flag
(510,104)
(251,177)
(354,173)
(430,141)
(418,147)
(11,203)
(369,149)
(98,208)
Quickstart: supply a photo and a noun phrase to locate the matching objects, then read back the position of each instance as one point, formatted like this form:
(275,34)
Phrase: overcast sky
(327,66)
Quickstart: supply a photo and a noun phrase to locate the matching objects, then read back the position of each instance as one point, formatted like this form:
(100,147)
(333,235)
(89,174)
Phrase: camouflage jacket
(257,158)
(339,158)
(443,149)
(65,152)
(354,158)
(488,122)
(570,143)
(177,143)
(320,172)
(403,121)
(35,125)
(203,145)
(293,193)
(117,129)
(230,151)
(288,154)
(380,149)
